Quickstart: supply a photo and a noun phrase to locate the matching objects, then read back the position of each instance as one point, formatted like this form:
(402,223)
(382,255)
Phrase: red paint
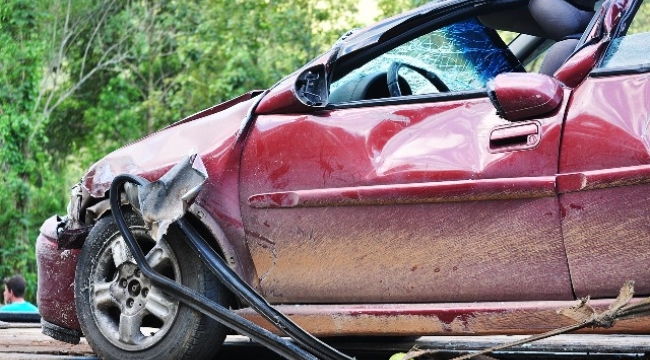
(604,172)
(606,125)
(446,315)
(606,235)
(571,182)
(580,64)
(439,319)
(523,95)
(614,14)
(282,97)
(56,269)
(219,107)
(575,207)
(600,179)
(414,173)
(215,138)
(443,191)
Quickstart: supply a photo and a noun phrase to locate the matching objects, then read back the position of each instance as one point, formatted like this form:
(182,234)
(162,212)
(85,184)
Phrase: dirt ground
(26,342)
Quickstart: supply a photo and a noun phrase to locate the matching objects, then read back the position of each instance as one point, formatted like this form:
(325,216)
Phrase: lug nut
(137,272)
(145,292)
(123,283)
(129,303)
(134,288)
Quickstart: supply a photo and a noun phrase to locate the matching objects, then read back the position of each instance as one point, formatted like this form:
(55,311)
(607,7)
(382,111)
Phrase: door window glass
(462,56)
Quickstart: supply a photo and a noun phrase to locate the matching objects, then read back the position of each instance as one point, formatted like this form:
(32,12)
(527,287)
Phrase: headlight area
(83,212)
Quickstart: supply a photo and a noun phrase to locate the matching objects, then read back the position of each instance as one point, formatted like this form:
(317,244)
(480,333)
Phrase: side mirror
(300,92)
(311,87)
(520,96)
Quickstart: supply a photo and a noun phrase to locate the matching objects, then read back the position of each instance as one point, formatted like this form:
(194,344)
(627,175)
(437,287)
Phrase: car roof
(393,26)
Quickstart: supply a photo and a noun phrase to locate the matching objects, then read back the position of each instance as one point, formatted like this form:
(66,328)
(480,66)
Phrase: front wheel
(125,316)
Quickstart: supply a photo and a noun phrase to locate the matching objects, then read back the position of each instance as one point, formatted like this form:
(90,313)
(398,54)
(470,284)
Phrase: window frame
(619,32)
(355,60)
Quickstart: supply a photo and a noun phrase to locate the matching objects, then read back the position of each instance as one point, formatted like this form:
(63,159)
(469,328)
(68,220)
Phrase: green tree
(394,7)
(25,179)
(80,78)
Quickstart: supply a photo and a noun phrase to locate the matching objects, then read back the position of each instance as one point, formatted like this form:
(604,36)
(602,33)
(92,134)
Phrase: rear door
(424,197)
(605,163)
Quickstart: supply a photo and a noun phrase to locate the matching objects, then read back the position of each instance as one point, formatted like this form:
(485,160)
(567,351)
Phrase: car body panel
(56,269)
(497,318)
(366,181)
(607,148)
(220,150)
(587,55)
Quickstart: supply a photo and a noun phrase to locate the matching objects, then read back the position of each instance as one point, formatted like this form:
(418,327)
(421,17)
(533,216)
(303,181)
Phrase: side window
(631,50)
(459,57)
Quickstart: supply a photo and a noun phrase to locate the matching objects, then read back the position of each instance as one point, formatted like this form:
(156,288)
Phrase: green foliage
(25,179)
(394,7)
(641,22)
(81,78)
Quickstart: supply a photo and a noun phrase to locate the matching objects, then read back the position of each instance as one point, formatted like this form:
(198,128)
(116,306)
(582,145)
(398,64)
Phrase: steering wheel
(393,78)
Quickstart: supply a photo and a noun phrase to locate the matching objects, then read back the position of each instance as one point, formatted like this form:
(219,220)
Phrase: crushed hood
(210,133)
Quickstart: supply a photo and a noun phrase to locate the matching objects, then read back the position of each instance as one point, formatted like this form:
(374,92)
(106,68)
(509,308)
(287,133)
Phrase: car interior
(546,33)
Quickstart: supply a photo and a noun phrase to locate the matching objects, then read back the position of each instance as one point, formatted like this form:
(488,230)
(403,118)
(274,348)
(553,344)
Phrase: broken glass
(465,55)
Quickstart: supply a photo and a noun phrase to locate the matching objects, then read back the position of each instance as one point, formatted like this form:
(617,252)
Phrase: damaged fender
(167,199)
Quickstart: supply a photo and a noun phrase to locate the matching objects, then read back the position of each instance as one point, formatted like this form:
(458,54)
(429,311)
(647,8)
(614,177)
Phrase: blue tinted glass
(480,50)
(464,55)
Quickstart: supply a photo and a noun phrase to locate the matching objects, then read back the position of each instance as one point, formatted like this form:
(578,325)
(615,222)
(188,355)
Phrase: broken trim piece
(601,179)
(167,199)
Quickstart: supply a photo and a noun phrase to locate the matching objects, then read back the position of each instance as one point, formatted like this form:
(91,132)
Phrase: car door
(424,196)
(605,162)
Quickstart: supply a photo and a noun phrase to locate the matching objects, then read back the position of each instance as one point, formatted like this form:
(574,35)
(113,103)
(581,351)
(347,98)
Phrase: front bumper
(56,273)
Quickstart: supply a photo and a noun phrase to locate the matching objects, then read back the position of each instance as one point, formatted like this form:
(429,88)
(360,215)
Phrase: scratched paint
(56,269)
(464,250)
(438,319)
(606,159)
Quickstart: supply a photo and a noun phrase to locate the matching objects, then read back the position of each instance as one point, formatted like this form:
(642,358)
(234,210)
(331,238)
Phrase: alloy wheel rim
(131,312)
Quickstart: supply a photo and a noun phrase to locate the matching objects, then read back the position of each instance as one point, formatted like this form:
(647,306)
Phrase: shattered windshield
(464,56)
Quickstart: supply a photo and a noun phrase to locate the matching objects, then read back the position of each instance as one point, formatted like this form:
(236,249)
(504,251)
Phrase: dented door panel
(413,194)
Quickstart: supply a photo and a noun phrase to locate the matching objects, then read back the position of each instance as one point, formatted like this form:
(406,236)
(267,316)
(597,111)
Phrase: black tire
(115,301)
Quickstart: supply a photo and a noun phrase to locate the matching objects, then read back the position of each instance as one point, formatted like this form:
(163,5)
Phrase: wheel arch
(235,254)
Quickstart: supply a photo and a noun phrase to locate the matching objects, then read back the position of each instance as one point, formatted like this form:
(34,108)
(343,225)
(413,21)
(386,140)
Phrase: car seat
(564,22)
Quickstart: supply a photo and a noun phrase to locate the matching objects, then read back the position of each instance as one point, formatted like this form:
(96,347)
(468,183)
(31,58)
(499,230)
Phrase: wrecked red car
(421,177)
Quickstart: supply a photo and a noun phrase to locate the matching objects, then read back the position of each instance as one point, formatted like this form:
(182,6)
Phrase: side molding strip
(431,192)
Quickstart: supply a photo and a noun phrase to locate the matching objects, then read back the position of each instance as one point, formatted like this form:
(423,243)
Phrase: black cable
(192,298)
(235,284)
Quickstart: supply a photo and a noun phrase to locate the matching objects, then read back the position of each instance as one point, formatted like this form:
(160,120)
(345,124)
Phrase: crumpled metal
(167,199)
